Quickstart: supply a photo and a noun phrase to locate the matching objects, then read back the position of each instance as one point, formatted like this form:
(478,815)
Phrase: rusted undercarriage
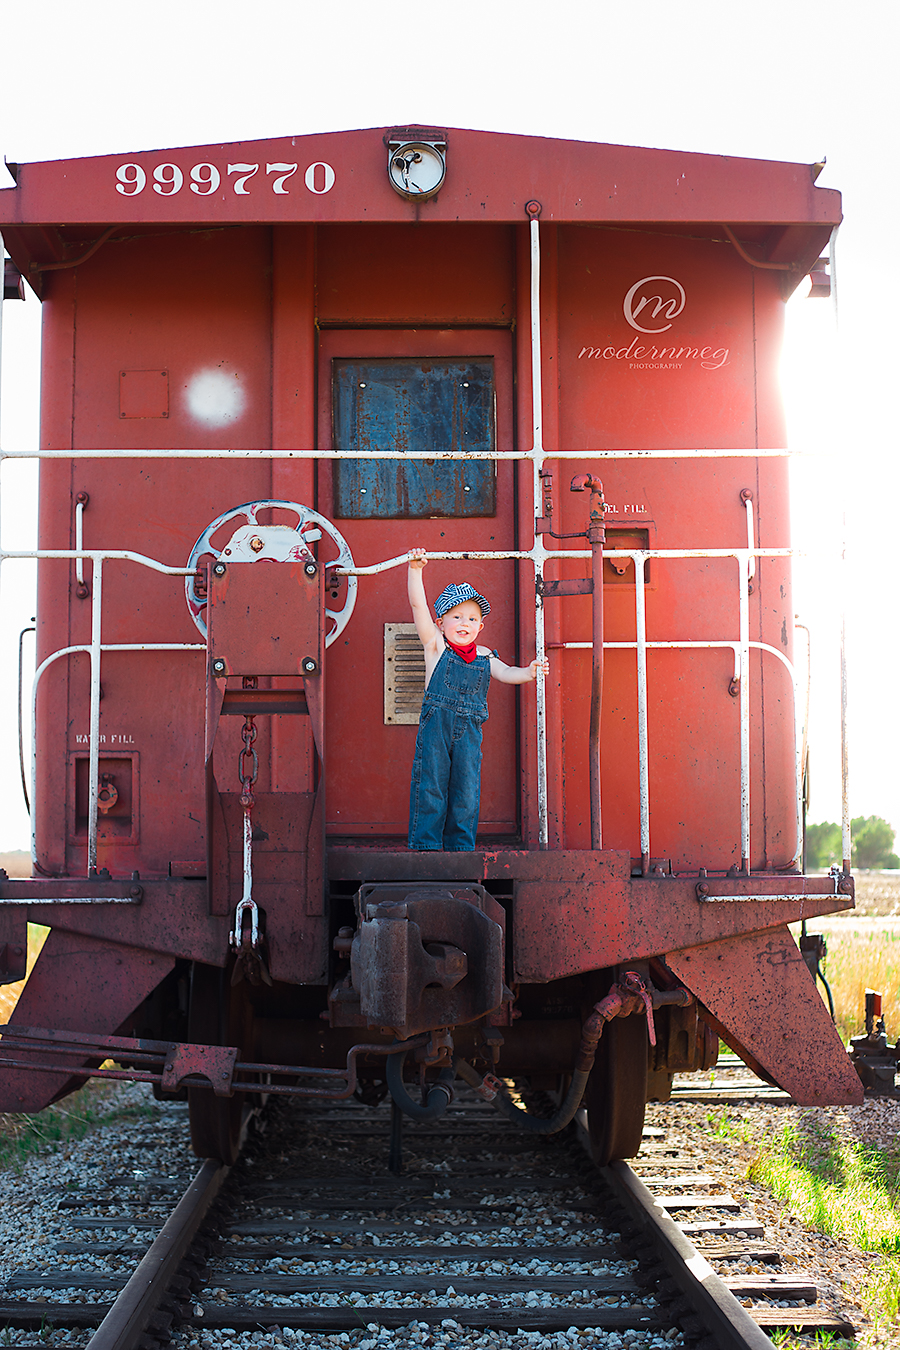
(430,953)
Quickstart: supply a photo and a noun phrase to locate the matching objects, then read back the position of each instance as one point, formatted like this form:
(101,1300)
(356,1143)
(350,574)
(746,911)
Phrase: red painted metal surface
(661,337)
(77,983)
(342,176)
(265,618)
(774,1017)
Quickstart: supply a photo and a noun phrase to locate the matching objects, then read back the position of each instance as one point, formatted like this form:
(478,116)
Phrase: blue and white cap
(454,595)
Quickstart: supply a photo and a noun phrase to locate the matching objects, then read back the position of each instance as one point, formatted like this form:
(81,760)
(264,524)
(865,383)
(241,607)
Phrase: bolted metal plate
(143,393)
(265,618)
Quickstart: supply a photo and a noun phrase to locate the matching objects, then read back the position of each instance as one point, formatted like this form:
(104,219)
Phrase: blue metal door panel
(417,404)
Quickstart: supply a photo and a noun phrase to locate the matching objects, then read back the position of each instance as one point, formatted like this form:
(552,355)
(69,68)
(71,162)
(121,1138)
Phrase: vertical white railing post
(79,540)
(539,552)
(743,561)
(747,498)
(846,841)
(94,760)
(3,278)
(640,614)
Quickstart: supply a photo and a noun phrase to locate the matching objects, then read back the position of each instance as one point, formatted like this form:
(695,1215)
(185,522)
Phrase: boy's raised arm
(517,674)
(415,589)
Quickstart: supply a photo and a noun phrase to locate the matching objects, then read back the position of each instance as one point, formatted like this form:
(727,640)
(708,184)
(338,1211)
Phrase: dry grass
(99,1102)
(877,893)
(16,864)
(858,961)
(9,993)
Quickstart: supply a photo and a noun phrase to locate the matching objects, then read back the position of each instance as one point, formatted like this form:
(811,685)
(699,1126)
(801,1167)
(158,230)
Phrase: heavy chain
(248,772)
(248,760)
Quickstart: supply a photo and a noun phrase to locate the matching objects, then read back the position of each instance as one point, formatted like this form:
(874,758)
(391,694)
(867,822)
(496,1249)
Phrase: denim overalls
(446,779)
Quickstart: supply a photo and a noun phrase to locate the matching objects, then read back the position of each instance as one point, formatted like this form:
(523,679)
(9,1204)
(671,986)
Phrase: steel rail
(127,1320)
(730,1323)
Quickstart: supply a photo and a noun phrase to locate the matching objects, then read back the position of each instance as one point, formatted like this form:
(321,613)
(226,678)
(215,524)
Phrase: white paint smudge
(215,397)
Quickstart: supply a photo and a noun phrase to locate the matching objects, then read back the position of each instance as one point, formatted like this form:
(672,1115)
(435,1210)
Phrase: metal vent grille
(404,674)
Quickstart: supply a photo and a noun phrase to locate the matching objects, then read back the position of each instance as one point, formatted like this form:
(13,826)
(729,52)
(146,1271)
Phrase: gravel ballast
(136,1153)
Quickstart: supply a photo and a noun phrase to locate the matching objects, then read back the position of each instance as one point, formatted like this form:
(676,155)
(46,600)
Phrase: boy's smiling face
(462,623)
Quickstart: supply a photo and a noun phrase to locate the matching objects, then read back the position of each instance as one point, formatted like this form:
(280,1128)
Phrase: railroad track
(483,1230)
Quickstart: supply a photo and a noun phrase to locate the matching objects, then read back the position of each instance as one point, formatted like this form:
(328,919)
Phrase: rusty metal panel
(759,988)
(219,339)
(563,927)
(265,618)
(78,984)
(120,814)
(413,404)
(471,283)
(659,343)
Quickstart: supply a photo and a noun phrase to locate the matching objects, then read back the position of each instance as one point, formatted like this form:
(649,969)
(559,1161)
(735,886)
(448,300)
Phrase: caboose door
(403,390)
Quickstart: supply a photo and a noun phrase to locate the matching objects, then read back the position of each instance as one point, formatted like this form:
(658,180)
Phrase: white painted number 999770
(168,179)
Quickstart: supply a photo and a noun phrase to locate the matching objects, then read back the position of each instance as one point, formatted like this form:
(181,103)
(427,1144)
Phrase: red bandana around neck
(468,652)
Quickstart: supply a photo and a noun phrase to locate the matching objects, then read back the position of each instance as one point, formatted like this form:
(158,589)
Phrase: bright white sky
(791,81)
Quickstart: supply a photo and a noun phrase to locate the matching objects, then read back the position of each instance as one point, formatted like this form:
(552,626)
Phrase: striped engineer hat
(454,595)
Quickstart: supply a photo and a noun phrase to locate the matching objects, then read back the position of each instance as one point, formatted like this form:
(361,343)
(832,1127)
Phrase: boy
(446,778)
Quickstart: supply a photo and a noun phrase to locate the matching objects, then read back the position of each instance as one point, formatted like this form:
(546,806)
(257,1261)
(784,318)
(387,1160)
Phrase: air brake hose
(621,999)
(556,1122)
(439,1096)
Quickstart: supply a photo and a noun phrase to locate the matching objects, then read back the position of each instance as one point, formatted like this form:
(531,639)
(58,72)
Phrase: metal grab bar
(268,452)
(538,550)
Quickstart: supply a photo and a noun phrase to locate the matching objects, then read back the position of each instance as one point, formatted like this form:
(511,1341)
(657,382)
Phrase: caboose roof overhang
(59,209)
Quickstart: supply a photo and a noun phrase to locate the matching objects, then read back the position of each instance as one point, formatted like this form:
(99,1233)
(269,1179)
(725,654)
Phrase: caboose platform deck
(388,859)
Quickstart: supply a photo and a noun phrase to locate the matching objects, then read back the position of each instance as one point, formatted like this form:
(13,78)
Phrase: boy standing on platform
(446,777)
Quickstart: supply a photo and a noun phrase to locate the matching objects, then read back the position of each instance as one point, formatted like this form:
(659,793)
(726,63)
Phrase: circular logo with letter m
(653,302)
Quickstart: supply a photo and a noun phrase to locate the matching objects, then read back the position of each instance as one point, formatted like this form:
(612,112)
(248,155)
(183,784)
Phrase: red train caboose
(271,368)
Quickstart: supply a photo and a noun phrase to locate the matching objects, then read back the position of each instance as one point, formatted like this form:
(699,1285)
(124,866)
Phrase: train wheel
(219,1015)
(617,1090)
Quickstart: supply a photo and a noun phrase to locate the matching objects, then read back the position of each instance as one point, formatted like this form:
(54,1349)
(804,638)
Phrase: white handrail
(640,615)
(538,551)
(96,647)
(744,695)
(268,452)
(93,651)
